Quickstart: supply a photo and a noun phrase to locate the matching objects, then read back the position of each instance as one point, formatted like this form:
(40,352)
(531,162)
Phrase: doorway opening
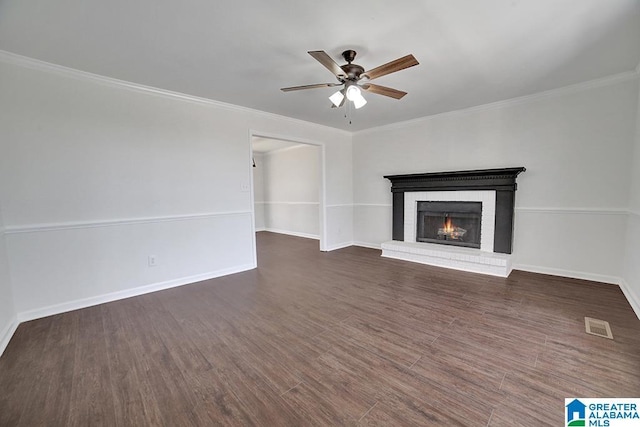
(288,187)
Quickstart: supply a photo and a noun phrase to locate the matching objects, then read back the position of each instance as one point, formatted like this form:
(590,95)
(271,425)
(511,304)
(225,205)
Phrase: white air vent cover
(598,327)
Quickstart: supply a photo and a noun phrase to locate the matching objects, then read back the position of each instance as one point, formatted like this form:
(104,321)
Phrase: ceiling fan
(355,78)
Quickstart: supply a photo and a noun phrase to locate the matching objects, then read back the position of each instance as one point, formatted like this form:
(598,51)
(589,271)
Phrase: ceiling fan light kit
(355,95)
(349,75)
(359,101)
(337,98)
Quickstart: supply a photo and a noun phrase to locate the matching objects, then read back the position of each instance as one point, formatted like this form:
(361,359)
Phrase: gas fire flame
(448,225)
(450,231)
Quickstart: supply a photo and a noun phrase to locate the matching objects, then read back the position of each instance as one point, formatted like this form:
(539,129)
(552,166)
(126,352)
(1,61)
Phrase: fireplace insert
(450,223)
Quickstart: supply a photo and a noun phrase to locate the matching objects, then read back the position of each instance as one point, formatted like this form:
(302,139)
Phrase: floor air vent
(598,327)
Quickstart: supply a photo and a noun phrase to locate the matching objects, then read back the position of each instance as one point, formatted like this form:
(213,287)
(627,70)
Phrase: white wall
(291,190)
(571,202)
(8,319)
(631,272)
(95,176)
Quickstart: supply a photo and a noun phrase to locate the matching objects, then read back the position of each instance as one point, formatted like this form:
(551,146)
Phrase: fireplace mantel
(502,181)
(482,179)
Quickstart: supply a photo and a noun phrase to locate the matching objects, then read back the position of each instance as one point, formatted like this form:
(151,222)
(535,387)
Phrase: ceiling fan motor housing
(352,71)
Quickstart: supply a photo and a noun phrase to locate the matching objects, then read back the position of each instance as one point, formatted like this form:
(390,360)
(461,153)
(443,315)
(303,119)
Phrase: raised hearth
(457,258)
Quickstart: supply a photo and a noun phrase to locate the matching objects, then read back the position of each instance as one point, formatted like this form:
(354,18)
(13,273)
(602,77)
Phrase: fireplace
(449,223)
(500,184)
(460,219)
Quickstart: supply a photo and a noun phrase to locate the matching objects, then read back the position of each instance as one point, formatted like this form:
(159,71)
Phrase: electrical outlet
(153,261)
(244,187)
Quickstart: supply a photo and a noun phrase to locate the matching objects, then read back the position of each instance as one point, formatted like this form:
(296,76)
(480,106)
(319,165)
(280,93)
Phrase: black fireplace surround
(502,181)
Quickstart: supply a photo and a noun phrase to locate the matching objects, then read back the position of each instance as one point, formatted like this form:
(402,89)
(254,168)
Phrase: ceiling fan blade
(383,90)
(322,57)
(289,89)
(391,67)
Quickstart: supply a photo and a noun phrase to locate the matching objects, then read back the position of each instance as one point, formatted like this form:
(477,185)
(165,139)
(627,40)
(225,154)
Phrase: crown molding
(551,93)
(39,65)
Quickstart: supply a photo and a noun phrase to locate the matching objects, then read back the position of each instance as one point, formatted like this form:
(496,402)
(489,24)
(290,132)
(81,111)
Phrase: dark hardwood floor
(339,338)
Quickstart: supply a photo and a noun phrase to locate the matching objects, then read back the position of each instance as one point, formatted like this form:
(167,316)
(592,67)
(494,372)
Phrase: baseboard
(368,245)
(260,229)
(613,280)
(7,333)
(114,296)
(293,233)
(634,300)
(339,246)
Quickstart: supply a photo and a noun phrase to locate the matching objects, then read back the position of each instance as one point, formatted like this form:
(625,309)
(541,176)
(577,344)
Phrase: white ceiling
(242,52)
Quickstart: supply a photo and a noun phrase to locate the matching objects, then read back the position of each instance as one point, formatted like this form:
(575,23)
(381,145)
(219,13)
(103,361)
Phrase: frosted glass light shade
(359,101)
(337,98)
(353,92)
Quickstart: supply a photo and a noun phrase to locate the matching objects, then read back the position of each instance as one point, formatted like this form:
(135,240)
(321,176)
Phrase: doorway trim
(323,177)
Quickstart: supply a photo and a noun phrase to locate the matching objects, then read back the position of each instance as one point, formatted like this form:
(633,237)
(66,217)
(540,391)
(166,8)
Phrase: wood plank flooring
(326,339)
